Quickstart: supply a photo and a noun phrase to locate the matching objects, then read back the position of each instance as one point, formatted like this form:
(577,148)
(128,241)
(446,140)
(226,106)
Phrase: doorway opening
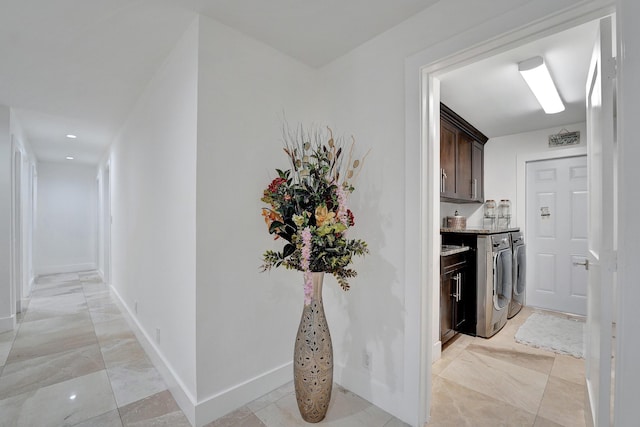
(430,216)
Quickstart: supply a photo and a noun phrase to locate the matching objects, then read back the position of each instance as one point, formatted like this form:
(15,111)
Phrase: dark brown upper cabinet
(461,159)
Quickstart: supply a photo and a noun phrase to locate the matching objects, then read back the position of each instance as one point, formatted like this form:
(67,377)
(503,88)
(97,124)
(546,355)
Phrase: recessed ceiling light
(69,157)
(71,136)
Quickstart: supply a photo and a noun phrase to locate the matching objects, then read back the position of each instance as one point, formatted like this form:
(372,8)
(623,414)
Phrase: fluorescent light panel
(535,73)
(71,136)
(69,157)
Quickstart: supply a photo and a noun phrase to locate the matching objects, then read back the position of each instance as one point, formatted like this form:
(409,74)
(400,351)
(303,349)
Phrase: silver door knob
(584,263)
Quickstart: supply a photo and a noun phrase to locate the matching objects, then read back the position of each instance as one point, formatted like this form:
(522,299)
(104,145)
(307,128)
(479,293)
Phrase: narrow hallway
(73,360)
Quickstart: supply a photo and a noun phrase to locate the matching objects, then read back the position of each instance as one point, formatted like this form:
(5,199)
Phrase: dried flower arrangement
(308,206)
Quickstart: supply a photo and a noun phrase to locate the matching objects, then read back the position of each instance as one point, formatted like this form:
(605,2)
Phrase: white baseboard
(67,268)
(239,395)
(201,412)
(181,394)
(436,352)
(7,323)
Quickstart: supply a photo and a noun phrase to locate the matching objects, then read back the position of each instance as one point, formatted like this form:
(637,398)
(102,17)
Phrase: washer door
(519,270)
(502,278)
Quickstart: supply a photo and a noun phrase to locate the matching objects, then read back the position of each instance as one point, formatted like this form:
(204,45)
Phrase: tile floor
(498,382)
(73,361)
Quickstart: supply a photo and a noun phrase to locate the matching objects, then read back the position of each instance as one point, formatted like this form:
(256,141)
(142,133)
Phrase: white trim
(67,268)
(185,399)
(521,177)
(228,400)
(203,411)
(8,323)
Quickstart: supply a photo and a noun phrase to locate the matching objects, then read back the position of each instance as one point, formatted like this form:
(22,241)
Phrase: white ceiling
(78,66)
(491,95)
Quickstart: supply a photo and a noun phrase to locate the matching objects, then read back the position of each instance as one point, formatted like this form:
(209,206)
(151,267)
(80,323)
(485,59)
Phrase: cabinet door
(447,330)
(464,182)
(461,303)
(447,159)
(477,172)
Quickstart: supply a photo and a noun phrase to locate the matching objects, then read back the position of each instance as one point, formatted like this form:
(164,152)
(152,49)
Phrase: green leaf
(288,250)
(275,225)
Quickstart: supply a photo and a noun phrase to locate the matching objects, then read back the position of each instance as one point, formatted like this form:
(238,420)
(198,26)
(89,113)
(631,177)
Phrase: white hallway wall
(152,177)
(67,201)
(246,320)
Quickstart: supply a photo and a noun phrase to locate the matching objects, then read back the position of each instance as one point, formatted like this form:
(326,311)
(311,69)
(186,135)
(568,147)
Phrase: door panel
(601,264)
(556,206)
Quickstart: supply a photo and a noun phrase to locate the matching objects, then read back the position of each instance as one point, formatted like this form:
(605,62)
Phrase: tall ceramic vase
(313,358)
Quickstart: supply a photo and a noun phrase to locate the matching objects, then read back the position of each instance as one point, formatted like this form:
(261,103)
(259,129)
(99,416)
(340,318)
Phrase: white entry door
(602,209)
(557,234)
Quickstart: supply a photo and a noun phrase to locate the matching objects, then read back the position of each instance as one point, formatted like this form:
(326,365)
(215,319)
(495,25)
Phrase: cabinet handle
(456,279)
(443,180)
(459,286)
(475,189)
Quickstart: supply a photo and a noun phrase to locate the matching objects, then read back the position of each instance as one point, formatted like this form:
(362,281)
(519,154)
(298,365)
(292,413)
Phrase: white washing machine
(494,280)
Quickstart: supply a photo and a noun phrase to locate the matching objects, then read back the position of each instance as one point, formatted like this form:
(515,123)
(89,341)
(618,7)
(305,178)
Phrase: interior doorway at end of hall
(556,218)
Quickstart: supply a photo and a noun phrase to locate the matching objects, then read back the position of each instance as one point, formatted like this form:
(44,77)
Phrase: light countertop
(447,250)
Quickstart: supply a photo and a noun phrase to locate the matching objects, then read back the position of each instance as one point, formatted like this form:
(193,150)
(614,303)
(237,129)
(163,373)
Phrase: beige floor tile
(345,410)
(240,417)
(531,358)
(135,380)
(509,383)
(108,419)
(543,422)
(34,373)
(563,403)
(53,335)
(66,403)
(159,409)
(458,406)
(569,368)
(271,397)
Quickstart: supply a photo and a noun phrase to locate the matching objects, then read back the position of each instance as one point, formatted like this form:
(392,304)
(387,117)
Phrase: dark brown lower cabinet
(454,301)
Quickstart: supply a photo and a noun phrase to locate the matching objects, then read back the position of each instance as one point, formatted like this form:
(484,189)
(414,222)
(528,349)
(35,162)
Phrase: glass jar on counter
(504,213)
(490,209)
(504,208)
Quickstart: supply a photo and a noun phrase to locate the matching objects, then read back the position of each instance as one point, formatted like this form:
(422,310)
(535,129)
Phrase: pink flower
(305,264)
(342,206)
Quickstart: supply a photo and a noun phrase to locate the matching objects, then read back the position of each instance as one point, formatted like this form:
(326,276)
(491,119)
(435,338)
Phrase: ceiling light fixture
(69,157)
(71,136)
(535,73)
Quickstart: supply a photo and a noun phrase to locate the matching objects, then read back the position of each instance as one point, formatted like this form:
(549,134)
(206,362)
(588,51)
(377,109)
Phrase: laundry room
(513,211)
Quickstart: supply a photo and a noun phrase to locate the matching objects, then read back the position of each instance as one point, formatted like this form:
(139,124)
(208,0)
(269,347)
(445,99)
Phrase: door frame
(422,126)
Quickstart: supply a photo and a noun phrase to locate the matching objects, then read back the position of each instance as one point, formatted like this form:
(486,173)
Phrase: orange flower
(270,216)
(323,216)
